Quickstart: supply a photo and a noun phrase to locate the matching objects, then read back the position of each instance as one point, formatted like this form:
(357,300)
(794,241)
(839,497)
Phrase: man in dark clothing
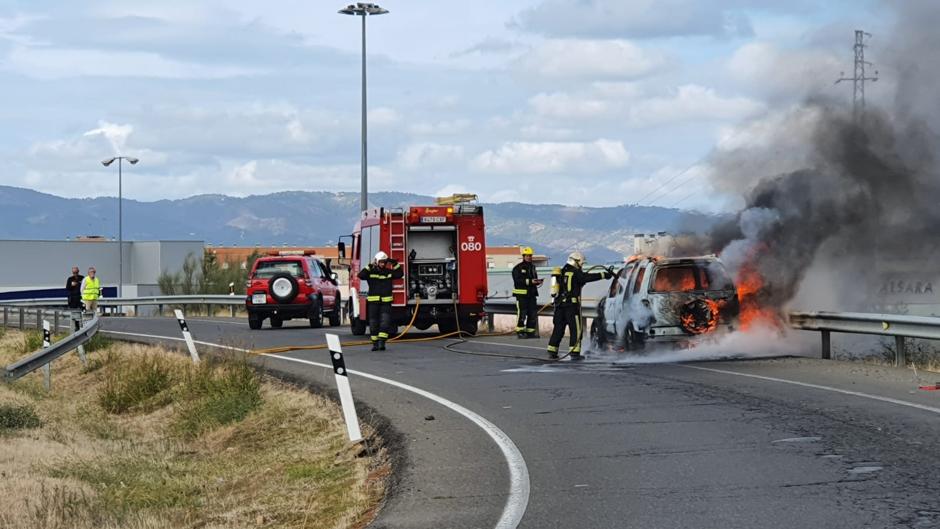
(568,305)
(380,275)
(525,285)
(73,286)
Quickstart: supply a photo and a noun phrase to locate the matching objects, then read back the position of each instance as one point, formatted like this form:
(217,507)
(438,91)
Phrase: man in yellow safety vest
(91,291)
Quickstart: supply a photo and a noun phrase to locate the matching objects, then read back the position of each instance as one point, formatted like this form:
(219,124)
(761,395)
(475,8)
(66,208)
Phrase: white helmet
(381,256)
(576,259)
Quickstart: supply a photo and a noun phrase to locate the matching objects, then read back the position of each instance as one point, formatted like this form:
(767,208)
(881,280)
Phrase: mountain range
(317,218)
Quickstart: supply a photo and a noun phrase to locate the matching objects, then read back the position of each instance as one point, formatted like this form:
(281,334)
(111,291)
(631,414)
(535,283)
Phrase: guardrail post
(232,307)
(826,345)
(160,310)
(22,319)
(55,320)
(46,343)
(39,320)
(6,316)
(136,310)
(490,322)
(900,353)
(77,324)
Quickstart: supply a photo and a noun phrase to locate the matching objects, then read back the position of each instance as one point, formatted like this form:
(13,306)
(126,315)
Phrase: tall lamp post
(363,9)
(106,163)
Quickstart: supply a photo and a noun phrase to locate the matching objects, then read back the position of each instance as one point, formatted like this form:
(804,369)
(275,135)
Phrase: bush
(136,383)
(18,417)
(212,396)
(97,343)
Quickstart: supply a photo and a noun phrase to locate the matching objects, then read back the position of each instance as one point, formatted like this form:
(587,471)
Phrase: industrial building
(39,268)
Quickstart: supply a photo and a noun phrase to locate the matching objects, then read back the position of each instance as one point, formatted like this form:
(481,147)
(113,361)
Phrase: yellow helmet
(527,250)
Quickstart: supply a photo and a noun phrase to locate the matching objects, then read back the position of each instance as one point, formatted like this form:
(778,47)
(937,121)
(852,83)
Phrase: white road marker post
(187,336)
(46,343)
(345,392)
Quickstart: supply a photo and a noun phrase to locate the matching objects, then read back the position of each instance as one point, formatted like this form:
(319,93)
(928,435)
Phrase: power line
(664,184)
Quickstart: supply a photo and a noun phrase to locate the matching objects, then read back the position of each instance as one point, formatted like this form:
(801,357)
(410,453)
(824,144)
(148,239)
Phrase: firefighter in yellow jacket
(525,288)
(570,281)
(380,274)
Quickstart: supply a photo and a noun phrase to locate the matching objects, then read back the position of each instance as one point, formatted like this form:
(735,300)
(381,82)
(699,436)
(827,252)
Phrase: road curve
(770,443)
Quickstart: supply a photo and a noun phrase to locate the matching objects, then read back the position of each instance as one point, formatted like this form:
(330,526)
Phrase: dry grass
(246,455)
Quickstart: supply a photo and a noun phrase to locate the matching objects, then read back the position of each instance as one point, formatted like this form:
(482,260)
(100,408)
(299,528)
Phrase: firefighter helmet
(528,251)
(576,259)
(381,256)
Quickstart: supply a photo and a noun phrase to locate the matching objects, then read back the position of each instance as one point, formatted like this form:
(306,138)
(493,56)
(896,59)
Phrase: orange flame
(751,286)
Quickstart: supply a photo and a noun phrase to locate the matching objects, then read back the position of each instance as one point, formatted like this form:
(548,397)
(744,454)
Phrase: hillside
(317,218)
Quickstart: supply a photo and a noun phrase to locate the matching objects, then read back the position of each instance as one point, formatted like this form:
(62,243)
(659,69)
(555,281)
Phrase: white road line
(518,498)
(889,400)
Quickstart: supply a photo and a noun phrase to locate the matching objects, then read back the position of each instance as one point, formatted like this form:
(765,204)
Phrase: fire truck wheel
(276,322)
(316,314)
(447,325)
(469,326)
(357,326)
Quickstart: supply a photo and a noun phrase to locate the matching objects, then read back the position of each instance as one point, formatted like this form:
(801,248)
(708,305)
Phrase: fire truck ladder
(396,234)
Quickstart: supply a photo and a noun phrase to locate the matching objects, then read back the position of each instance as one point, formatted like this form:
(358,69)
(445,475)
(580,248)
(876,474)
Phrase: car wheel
(598,333)
(357,326)
(336,315)
(254,322)
(283,287)
(316,314)
(635,341)
(276,322)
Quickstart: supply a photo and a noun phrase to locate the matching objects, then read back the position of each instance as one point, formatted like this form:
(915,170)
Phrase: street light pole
(363,9)
(106,163)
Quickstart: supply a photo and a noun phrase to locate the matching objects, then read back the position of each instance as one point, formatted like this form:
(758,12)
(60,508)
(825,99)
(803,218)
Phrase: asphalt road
(786,442)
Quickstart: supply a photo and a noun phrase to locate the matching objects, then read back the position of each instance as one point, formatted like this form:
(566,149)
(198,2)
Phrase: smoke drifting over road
(838,202)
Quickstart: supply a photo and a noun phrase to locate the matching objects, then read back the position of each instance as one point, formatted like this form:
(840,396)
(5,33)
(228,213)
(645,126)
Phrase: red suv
(291,285)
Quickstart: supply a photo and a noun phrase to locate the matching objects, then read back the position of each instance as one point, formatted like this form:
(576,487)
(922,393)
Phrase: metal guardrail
(208,300)
(45,356)
(895,325)
(508,306)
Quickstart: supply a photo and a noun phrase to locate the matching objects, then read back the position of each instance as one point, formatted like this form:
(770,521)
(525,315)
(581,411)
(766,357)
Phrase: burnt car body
(666,300)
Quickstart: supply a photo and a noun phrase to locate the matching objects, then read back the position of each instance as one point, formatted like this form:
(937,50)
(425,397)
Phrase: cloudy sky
(580,102)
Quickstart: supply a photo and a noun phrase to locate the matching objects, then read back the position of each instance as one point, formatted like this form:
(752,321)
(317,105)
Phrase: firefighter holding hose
(380,274)
(525,285)
(569,282)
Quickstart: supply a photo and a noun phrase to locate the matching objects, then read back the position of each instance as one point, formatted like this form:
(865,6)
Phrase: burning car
(666,300)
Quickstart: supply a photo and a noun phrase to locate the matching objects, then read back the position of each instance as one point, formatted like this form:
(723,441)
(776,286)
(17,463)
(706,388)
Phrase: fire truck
(443,251)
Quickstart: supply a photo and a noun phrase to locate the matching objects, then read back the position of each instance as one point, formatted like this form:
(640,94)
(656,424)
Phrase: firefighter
(380,275)
(567,301)
(525,285)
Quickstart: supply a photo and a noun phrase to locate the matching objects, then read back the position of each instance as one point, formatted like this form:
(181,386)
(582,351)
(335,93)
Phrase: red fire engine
(443,251)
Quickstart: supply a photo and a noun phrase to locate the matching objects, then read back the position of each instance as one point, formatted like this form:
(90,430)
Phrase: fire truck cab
(443,251)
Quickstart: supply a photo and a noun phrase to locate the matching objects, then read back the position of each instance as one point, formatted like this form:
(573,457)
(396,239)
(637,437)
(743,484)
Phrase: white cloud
(553,157)
(439,128)
(383,116)
(693,103)
(426,154)
(780,73)
(594,59)
(114,133)
(634,18)
(563,105)
(52,63)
